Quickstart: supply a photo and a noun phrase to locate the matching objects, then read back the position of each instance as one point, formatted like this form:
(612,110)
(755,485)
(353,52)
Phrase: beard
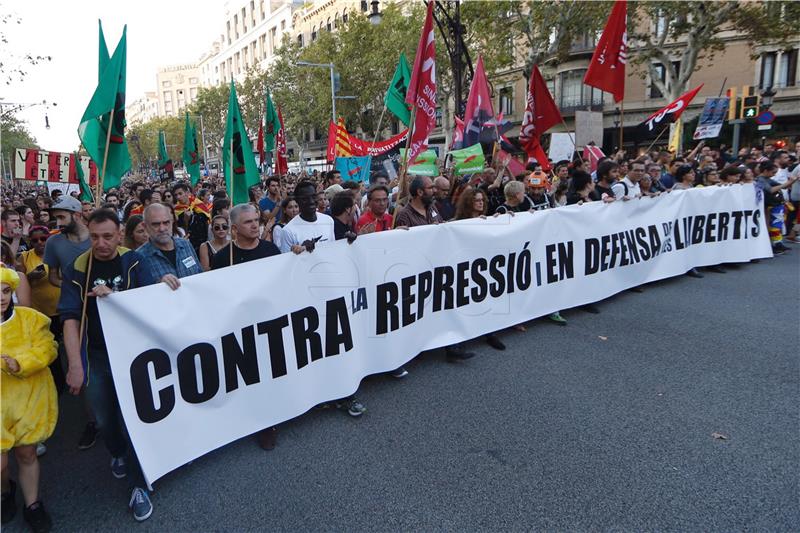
(427,201)
(71,228)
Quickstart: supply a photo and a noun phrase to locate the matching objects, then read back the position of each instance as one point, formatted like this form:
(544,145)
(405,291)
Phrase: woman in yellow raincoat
(29,400)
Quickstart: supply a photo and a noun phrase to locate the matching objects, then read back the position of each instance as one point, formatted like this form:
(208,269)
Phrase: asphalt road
(605,424)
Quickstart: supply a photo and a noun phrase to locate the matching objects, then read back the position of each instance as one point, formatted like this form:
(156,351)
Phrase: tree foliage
(15,135)
(143,141)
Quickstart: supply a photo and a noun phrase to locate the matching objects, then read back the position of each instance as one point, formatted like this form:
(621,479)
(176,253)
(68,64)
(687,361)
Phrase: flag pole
(657,138)
(572,138)
(621,122)
(378,129)
(402,182)
(83,310)
(230,158)
(105,161)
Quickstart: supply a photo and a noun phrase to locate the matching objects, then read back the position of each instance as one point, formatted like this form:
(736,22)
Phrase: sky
(160,33)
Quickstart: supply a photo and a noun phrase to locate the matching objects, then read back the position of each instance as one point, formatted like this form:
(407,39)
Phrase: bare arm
(72,343)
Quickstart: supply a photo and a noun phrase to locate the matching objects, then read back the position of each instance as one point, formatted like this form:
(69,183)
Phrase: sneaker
(782,247)
(140,504)
(89,436)
(558,319)
(118,469)
(777,251)
(41,449)
(494,342)
(267,438)
(9,505)
(456,353)
(353,407)
(37,518)
(399,373)
(694,273)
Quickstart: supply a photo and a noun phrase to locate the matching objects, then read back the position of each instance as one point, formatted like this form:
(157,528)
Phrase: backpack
(198,230)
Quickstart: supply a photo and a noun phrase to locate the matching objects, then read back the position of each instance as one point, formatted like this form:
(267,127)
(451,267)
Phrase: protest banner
(588,128)
(56,167)
(710,123)
(562,146)
(290,332)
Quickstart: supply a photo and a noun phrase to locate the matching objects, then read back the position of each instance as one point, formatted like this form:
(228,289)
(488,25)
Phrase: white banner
(240,349)
(562,146)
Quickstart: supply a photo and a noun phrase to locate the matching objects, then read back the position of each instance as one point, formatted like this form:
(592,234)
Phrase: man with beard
(166,257)
(307,229)
(60,251)
(419,211)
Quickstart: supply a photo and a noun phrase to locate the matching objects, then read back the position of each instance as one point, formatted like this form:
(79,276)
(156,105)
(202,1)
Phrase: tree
(15,135)
(14,67)
(674,36)
(143,141)
(212,103)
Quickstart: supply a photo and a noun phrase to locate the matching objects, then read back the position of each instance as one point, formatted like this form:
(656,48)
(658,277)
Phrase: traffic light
(733,105)
(750,106)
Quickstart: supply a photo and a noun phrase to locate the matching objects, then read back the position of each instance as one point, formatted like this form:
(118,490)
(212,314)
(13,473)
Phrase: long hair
(465,200)
(130,227)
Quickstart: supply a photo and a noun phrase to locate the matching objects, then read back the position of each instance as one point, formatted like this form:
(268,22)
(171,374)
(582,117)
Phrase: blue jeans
(102,396)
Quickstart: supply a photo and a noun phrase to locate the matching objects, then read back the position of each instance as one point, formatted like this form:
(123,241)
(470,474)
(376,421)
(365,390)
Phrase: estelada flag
(422,88)
(607,69)
(541,114)
(458,135)
(592,154)
(479,108)
(670,113)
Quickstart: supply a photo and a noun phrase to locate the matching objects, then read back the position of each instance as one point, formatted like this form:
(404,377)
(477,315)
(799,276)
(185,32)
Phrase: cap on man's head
(331,191)
(67,203)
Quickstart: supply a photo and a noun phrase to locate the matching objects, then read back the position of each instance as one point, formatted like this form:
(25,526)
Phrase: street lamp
(333,87)
(375,16)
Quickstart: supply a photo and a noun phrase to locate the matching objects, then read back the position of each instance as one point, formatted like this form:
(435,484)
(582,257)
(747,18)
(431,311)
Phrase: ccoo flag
(241,171)
(422,89)
(670,113)
(607,69)
(102,127)
(191,157)
(541,114)
(395,99)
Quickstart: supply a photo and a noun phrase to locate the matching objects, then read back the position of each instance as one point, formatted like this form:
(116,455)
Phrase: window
(283,25)
(787,74)
(166,84)
(767,70)
(661,23)
(328,25)
(252,13)
(438,115)
(575,94)
(506,101)
(344,17)
(300,39)
(193,81)
(364,6)
(335,20)
(262,10)
(244,20)
(313,34)
(229,32)
(236,26)
(193,93)
(662,75)
(272,35)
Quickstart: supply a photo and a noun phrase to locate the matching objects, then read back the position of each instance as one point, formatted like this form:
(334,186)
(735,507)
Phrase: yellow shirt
(44,295)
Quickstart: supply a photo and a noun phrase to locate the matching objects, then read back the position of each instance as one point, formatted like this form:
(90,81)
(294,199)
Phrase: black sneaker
(9,506)
(494,342)
(694,273)
(89,436)
(777,251)
(352,406)
(782,247)
(456,354)
(37,518)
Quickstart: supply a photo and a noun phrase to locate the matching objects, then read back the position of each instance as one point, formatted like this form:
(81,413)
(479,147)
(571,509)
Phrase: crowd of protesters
(61,254)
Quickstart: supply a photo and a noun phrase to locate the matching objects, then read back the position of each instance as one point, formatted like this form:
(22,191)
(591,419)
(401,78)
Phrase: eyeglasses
(218,228)
(38,239)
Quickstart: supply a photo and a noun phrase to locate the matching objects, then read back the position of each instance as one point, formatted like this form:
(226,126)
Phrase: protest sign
(562,146)
(714,113)
(469,160)
(290,332)
(588,128)
(56,167)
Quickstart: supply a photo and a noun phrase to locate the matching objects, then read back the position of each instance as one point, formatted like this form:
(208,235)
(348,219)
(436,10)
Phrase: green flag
(191,159)
(395,100)
(86,191)
(271,125)
(423,165)
(163,157)
(108,99)
(241,171)
(103,58)
(469,160)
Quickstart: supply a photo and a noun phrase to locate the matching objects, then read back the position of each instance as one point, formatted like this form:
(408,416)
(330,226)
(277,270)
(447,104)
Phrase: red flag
(479,106)
(607,68)
(262,155)
(541,114)
(331,152)
(670,113)
(592,154)
(422,89)
(515,167)
(281,165)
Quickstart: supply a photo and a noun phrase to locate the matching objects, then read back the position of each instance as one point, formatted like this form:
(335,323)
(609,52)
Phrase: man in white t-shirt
(628,187)
(309,228)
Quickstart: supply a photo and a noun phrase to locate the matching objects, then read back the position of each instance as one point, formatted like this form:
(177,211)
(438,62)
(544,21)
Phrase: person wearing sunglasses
(219,239)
